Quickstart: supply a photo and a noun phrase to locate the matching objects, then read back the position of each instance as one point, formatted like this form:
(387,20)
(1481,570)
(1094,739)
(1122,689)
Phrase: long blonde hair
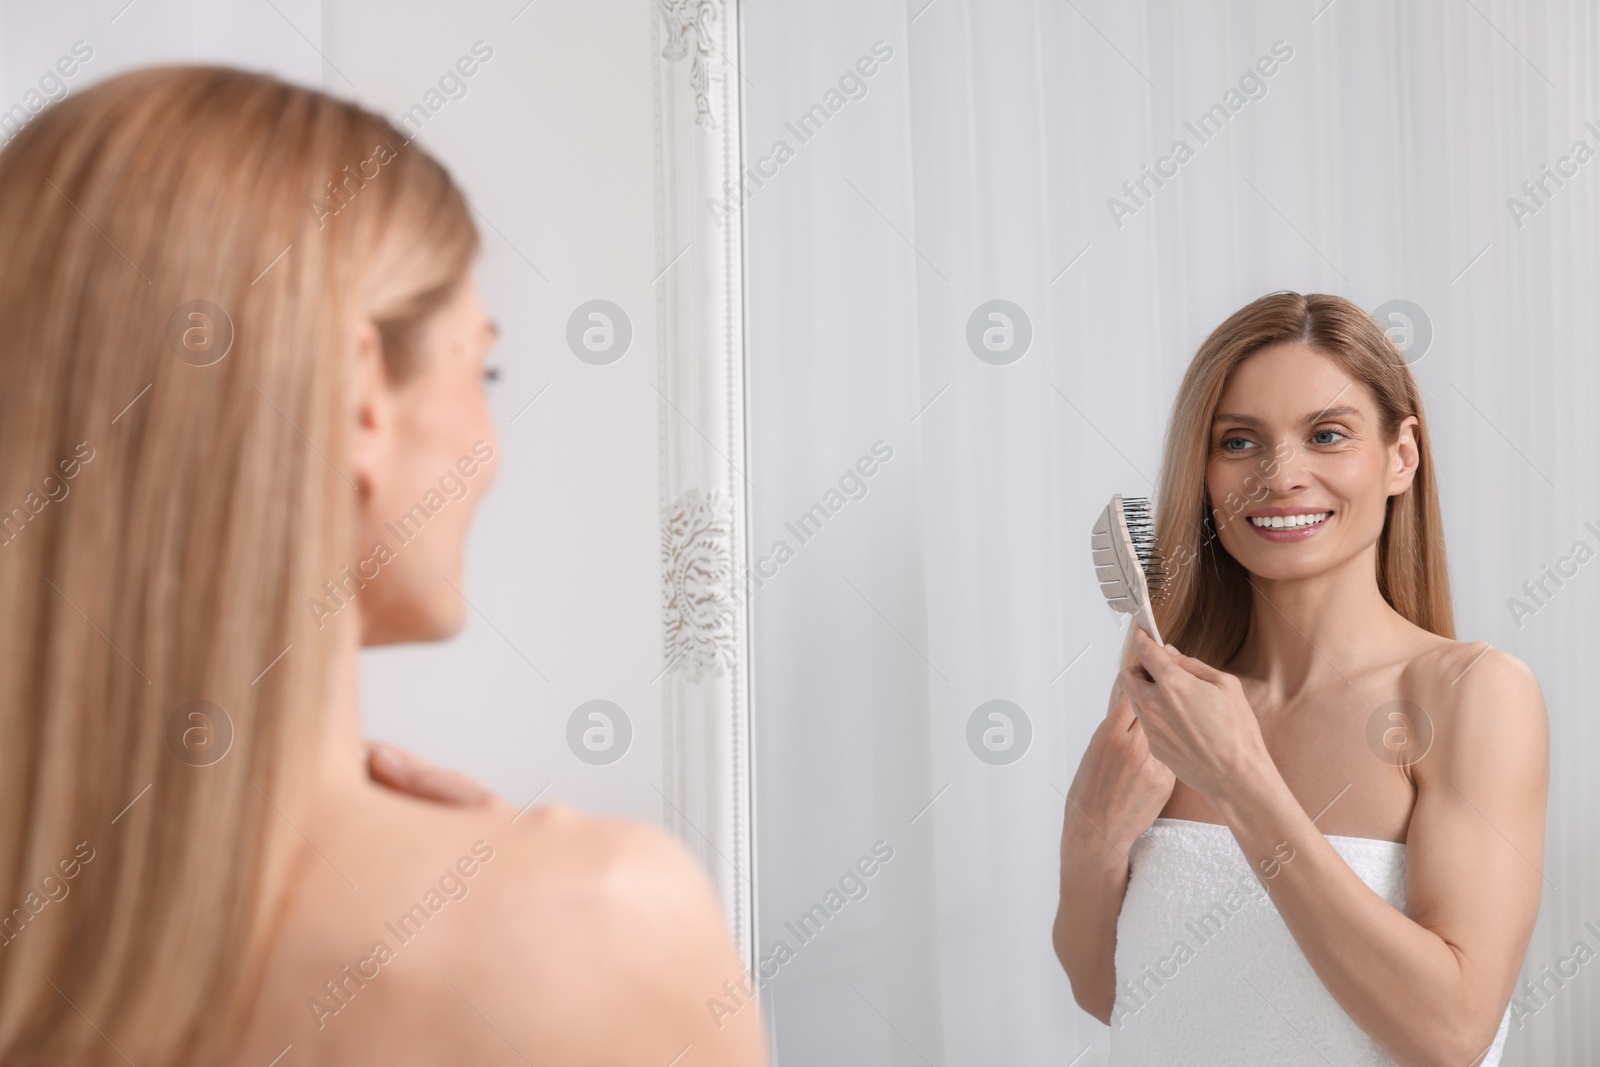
(189,250)
(1206,612)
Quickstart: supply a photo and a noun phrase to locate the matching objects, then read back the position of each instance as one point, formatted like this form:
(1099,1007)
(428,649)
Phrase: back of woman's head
(189,252)
(1206,612)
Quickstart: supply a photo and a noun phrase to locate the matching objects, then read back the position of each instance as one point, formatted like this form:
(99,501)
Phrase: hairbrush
(1126,561)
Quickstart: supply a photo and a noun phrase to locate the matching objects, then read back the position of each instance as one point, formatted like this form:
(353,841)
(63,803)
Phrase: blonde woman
(241,335)
(1311,828)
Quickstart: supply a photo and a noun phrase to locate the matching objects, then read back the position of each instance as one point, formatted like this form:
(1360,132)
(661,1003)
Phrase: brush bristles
(1141,531)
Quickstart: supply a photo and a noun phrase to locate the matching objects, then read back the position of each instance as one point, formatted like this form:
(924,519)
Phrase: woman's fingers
(1203,670)
(1198,667)
(1122,715)
(1135,686)
(1159,660)
(406,773)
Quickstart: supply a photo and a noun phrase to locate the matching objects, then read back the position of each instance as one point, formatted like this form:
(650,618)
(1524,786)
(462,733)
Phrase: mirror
(984,242)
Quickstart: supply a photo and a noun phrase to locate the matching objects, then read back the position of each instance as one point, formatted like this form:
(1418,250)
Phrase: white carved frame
(705,701)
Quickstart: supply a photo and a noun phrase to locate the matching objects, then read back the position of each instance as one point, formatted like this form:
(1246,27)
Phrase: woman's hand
(1195,717)
(406,773)
(1120,786)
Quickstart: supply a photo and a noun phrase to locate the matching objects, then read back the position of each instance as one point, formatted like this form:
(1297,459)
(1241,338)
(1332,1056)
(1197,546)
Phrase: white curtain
(978,162)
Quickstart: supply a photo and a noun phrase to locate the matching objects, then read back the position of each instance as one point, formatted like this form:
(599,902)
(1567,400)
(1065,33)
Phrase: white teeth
(1278,522)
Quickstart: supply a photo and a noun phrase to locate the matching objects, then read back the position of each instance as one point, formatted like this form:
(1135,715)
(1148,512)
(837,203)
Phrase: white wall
(553,145)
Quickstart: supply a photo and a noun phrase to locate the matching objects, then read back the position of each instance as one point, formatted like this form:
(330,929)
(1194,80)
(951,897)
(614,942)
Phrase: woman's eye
(1319,433)
(1226,441)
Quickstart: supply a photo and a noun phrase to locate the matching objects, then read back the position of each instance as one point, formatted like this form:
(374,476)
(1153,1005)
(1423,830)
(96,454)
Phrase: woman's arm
(1117,793)
(1430,987)
(1094,879)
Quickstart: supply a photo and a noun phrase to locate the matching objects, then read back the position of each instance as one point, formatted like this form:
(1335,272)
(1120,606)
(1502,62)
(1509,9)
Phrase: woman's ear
(372,409)
(1403,456)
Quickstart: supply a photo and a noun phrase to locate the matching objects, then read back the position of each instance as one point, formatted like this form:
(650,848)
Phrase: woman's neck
(1308,632)
(344,752)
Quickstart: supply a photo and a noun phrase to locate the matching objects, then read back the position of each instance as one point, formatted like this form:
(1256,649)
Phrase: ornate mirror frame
(700,342)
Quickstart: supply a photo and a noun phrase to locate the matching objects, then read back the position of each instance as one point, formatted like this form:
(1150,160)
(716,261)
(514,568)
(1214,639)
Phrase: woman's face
(426,453)
(1295,434)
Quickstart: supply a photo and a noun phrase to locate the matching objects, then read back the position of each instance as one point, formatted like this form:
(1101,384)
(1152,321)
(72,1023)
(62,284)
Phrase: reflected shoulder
(1489,711)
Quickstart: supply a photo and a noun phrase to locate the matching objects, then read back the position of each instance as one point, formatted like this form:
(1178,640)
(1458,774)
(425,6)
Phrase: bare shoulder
(602,940)
(567,865)
(418,932)
(1474,677)
(1486,711)
(555,845)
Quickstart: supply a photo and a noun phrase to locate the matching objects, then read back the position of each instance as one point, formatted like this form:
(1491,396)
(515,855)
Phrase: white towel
(1208,973)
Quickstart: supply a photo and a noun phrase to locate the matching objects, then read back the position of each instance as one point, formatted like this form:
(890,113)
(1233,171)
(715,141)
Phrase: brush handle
(1145,618)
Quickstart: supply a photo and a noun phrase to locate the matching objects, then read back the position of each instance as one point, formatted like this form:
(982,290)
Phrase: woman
(1312,687)
(243,424)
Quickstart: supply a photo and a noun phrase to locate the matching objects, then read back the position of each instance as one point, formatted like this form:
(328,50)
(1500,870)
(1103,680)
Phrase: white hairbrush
(1127,562)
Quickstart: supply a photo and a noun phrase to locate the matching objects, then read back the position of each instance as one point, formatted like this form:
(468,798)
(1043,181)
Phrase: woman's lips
(1297,533)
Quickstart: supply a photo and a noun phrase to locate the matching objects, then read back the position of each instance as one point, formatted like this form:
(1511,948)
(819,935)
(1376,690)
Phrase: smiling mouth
(1290,522)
